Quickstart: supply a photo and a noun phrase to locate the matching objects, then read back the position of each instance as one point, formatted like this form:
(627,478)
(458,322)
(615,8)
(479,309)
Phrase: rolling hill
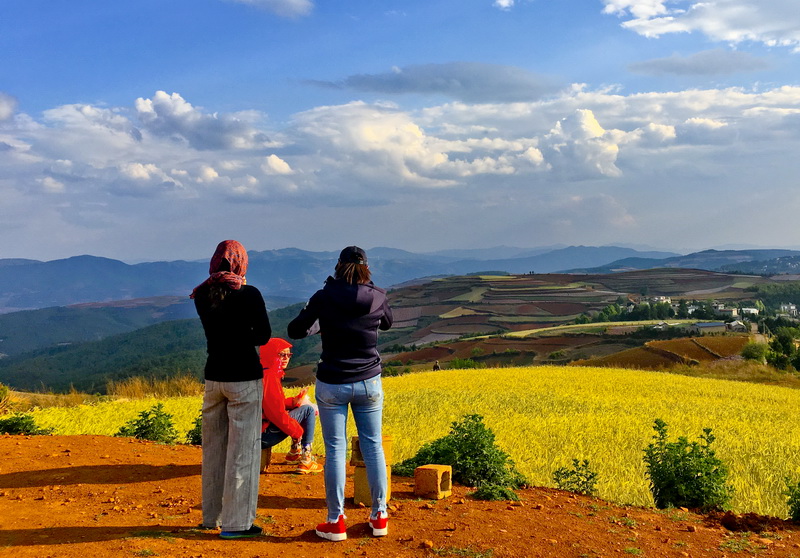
(741,261)
(436,319)
(285,276)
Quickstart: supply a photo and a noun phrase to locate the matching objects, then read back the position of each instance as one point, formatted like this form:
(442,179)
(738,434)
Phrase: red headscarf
(228,266)
(269,354)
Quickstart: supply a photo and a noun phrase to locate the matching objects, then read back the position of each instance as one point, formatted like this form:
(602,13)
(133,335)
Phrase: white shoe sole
(332,536)
(380,532)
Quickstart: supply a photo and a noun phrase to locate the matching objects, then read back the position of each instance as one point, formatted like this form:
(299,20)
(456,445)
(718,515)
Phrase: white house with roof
(788,308)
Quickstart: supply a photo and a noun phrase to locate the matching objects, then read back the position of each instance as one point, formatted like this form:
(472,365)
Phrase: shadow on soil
(97,474)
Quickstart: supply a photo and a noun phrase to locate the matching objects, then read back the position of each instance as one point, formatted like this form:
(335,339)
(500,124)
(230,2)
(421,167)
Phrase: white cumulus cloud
(503,4)
(51,185)
(275,165)
(771,22)
(7,106)
(283,8)
(579,146)
(171,116)
(566,156)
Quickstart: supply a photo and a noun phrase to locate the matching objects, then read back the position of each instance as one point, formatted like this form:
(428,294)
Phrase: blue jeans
(366,400)
(231,423)
(305,415)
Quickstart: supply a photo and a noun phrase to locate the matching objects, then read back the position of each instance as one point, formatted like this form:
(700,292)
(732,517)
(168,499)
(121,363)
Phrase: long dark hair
(353,273)
(218,291)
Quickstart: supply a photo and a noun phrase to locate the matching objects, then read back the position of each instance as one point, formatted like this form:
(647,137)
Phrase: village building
(788,308)
(727,312)
(737,326)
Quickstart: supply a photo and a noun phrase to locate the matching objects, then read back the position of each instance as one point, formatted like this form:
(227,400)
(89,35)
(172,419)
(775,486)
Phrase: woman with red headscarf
(235,322)
(283,416)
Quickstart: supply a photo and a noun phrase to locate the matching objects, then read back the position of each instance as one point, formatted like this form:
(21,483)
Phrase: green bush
(195,434)
(470,450)
(390,371)
(793,499)
(22,424)
(580,478)
(684,474)
(465,363)
(755,351)
(494,492)
(153,424)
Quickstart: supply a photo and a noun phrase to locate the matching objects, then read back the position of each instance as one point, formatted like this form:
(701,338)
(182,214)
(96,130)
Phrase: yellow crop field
(546,416)
(106,418)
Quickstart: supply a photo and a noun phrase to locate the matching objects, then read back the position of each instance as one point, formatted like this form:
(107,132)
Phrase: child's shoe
(333,531)
(380,525)
(308,464)
(295,453)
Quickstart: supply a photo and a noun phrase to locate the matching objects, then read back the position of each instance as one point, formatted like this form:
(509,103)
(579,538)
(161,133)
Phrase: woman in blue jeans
(348,312)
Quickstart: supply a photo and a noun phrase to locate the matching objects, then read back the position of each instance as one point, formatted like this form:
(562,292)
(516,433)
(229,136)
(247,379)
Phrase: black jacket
(348,318)
(234,329)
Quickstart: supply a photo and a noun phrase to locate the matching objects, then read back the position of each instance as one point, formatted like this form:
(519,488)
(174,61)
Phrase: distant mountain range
(285,276)
(755,262)
(291,275)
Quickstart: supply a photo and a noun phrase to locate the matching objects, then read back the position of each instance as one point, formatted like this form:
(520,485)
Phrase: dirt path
(93,496)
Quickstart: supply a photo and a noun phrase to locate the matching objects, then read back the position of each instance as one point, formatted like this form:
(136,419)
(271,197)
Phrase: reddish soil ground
(101,496)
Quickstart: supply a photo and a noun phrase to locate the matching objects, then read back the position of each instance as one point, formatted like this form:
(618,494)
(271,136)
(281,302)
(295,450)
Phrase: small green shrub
(154,424)
(793,499)
(755,351)
(195,434)
(470,450)
(580,478)
(494,492)
(390,371)
(684,474)
(22,424)
(465,363)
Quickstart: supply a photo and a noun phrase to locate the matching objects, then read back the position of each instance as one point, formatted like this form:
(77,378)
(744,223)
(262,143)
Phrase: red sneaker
(380,525)
(333,531)
(295,454)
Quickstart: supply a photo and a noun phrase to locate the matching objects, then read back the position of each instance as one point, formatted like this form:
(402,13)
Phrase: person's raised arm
(387,319)
(307,321)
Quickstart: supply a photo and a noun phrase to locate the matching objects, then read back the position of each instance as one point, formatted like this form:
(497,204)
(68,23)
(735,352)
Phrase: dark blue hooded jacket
(348,318)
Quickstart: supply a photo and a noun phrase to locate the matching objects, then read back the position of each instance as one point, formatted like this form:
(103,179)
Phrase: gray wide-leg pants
(231,453)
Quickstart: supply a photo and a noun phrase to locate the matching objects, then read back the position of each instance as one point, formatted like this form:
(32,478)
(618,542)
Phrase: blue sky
(151,130)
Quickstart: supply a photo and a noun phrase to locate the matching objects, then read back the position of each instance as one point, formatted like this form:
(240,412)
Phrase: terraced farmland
(656,355)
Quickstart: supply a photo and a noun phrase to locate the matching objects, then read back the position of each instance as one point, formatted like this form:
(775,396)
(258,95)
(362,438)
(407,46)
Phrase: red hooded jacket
(275,405)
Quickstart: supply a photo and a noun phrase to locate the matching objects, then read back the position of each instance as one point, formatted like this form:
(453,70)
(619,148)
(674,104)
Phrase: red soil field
(67,496)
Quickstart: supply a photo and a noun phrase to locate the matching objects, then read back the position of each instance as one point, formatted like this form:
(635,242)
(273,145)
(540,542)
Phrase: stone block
(433,481)
(357,459)
(361,493)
